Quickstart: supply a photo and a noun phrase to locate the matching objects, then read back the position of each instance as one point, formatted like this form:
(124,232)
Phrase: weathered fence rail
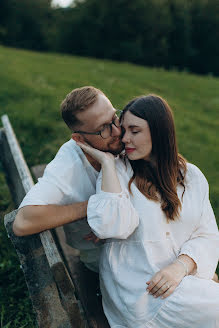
(62,291)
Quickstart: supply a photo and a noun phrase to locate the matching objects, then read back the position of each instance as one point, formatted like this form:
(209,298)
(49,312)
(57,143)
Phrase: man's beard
(109,149)
(117,150)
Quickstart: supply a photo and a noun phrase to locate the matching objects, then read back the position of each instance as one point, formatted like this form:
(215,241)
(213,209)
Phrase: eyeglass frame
(99,132)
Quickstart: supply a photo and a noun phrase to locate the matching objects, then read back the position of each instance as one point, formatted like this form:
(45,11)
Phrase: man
(60,197)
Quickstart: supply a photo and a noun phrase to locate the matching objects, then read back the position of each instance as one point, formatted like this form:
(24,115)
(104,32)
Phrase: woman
(162,242)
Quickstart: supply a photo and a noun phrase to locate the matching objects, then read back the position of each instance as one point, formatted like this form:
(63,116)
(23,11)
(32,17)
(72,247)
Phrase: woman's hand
(110,181)
(164,282)
(100,156)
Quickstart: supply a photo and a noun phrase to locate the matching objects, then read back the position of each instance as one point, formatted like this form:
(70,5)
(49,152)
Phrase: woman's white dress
(140,242)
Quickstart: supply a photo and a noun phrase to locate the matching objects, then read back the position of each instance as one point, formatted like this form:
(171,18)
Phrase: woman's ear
(77,137)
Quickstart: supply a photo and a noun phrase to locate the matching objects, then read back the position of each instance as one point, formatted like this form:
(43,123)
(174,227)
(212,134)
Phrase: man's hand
(164,282)
(92,237)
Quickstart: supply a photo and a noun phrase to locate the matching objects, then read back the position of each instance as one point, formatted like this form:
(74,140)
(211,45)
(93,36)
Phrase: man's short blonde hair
(77,101)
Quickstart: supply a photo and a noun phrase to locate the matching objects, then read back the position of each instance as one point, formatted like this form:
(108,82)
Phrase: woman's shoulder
(123,166)
(195,175)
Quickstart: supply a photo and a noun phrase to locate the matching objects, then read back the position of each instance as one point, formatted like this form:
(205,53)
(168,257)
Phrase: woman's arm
(198,255)
(203,244)
(164,282)
(110,181)
(110,212)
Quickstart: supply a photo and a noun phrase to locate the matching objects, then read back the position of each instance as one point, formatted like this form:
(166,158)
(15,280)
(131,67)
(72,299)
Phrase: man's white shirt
(67,179)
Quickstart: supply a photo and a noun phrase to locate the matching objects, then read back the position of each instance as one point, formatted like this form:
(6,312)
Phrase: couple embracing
(151,207)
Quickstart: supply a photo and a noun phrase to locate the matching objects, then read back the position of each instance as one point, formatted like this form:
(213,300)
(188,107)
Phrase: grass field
(32,85)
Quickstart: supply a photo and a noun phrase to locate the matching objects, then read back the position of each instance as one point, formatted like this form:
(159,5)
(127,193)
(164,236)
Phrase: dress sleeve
(112,215)
(203,246)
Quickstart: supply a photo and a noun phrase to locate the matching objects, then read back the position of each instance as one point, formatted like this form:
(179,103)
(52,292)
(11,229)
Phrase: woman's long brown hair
(158,177)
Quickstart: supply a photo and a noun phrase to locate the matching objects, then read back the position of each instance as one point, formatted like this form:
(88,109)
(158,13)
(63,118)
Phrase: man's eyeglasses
(106,132)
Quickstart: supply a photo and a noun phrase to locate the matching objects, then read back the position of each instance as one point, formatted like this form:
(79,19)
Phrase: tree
(26,23)
(205,36)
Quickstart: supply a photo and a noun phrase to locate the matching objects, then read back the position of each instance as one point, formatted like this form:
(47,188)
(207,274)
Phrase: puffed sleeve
(203,246)
(112,215)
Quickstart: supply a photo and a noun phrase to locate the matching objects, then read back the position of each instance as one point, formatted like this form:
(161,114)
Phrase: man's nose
(116,130)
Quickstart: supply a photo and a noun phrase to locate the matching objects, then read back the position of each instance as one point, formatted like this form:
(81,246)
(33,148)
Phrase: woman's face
(136,137)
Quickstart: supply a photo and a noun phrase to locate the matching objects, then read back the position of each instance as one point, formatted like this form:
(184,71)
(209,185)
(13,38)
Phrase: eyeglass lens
(106,132)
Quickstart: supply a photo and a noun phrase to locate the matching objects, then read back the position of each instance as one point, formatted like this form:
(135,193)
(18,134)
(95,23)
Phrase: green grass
(32,85)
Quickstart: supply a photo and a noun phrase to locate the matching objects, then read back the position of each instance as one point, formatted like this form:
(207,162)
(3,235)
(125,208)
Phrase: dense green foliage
(164,33)
(15,306)
(32,85)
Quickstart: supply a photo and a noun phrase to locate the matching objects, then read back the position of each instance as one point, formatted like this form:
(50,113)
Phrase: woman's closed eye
(132,131)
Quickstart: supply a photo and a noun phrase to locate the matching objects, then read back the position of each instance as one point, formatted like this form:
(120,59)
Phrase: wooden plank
(86,282)
(10,169)
(38,170)
(19,173)
(42,288)
(18,158)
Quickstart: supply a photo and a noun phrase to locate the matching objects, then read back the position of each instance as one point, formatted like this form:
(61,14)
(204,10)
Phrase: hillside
(32,85)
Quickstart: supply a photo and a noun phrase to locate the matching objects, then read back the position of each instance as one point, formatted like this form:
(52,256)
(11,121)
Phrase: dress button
(127,195)
(120,196)
(167,234)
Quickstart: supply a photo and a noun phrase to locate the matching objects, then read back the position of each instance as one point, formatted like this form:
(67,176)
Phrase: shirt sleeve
(44,192)
(55,187)
(203,246)
(112,215)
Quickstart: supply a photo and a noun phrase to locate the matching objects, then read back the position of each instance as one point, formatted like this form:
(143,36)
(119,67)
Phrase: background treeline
(182,34)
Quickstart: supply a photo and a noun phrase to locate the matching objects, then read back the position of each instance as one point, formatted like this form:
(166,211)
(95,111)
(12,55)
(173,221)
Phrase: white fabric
(136,251)
(111,227)
(69,178)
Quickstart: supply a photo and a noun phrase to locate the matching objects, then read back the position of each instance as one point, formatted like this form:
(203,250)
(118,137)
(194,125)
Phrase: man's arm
(33,219)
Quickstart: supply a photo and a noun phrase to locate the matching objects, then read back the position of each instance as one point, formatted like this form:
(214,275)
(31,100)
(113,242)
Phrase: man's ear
(77,137)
